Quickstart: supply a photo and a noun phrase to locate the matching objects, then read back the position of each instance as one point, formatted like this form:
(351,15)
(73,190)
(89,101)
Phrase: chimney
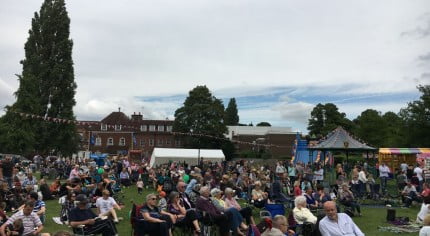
(136,117)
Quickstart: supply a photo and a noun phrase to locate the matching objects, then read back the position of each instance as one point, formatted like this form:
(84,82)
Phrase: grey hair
(299,200)
(151,195)
(228,191)
(204,189)
(278,220)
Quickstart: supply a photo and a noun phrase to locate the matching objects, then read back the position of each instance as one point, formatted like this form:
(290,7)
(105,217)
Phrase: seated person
(337,224)
(106,206)
(425,210)
(44,188)
(81,215)
(301,213)
(321,196)
(55,187)
(204,204)
(230,201)
(347,198)
(409,194)
(426,190)
(259,197)
(310,200)
(32,226)
(183,217)
(158,221)
(279,227)
(39,205)
(237,219)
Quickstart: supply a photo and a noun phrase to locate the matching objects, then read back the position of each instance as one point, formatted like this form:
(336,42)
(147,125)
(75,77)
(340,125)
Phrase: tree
(371,127)
(394,126)
(231,116)
(416,117)
(325,118)
(202,114)
(264,123)
(47,87)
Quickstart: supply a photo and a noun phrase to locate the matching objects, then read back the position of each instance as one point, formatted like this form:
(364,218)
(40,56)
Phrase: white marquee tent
(190,156)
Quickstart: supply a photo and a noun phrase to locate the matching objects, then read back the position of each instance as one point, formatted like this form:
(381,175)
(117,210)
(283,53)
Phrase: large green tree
(371,127)
(231,116)
(417,119)
(325,118)
(394,126)
(47,88)
(202,114)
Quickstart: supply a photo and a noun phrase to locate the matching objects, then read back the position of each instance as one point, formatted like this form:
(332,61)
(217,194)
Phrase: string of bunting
(89,123)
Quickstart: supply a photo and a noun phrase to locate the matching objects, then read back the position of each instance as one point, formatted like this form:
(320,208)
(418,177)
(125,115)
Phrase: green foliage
(371,127)
(47,87)
(417,119)
(264,124)
(201,113)
(325,118)
(231,116)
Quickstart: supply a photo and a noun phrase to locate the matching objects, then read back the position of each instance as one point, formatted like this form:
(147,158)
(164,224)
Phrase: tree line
(410,127)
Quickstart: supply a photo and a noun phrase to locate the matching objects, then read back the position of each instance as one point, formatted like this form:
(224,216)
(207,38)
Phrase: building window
(143,128)
(142,143)
(117,127)
(103,127)
(110,141)
(151,142)
(177,143)
(161,128)
(168,142)
(152,128)
(169,128)
(98,141)
(121,142)
(160,142)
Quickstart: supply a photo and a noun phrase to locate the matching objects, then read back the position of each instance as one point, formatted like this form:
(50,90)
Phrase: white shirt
(383,171)
(423,212)
(404,167)
(419,173)
(105,205)
(319,174)
(362,176)
(343,227)
(425,231)
(280,169)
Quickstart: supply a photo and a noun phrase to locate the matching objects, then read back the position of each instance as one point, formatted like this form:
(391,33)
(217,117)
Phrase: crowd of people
(188,197)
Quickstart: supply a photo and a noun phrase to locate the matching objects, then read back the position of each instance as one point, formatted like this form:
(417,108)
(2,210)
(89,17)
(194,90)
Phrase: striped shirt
(29,222)
(38,205)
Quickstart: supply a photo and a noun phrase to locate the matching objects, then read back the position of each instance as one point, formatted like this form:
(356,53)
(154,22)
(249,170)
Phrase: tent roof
(188,153)
(337,139)
(404,150)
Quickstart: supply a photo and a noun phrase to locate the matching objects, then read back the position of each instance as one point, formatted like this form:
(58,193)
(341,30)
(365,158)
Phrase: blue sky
(278,58)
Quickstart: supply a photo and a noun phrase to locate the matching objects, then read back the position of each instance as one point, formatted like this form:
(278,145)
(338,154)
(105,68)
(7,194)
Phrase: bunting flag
(89,123)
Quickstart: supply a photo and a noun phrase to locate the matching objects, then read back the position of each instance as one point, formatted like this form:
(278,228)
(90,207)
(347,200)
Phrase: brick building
(254,138)
(119,134)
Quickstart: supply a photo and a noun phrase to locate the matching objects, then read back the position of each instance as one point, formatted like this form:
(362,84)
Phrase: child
(139,185)
(162,204)
(16,228)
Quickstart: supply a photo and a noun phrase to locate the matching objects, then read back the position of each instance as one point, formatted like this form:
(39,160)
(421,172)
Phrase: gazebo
(340,140)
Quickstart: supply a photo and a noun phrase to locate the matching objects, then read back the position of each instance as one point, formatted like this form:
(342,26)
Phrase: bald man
(337,224)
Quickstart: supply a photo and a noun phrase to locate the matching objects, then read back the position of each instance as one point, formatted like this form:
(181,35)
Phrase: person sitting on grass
(81,215)
(301,213)
(347,198)
(106,206)
(409,194)
(425,210)
(15,229)
(337,224)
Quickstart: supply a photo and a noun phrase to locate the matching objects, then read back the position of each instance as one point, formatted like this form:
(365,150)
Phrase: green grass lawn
(368,223)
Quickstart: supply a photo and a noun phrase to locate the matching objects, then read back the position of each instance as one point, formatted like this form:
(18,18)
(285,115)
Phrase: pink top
(231,203)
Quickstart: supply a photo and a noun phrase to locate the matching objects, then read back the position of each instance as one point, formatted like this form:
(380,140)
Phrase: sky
(278,59)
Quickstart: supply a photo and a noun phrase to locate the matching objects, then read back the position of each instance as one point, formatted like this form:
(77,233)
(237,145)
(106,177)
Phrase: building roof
(340,139)
(116,118)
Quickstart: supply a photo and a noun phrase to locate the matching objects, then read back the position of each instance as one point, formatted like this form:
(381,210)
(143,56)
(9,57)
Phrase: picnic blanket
(411,228)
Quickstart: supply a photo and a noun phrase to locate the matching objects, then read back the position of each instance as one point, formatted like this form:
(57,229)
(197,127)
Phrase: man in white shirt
(383,174)
(409,194)
(337,224)
(106,206)
(419,173)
